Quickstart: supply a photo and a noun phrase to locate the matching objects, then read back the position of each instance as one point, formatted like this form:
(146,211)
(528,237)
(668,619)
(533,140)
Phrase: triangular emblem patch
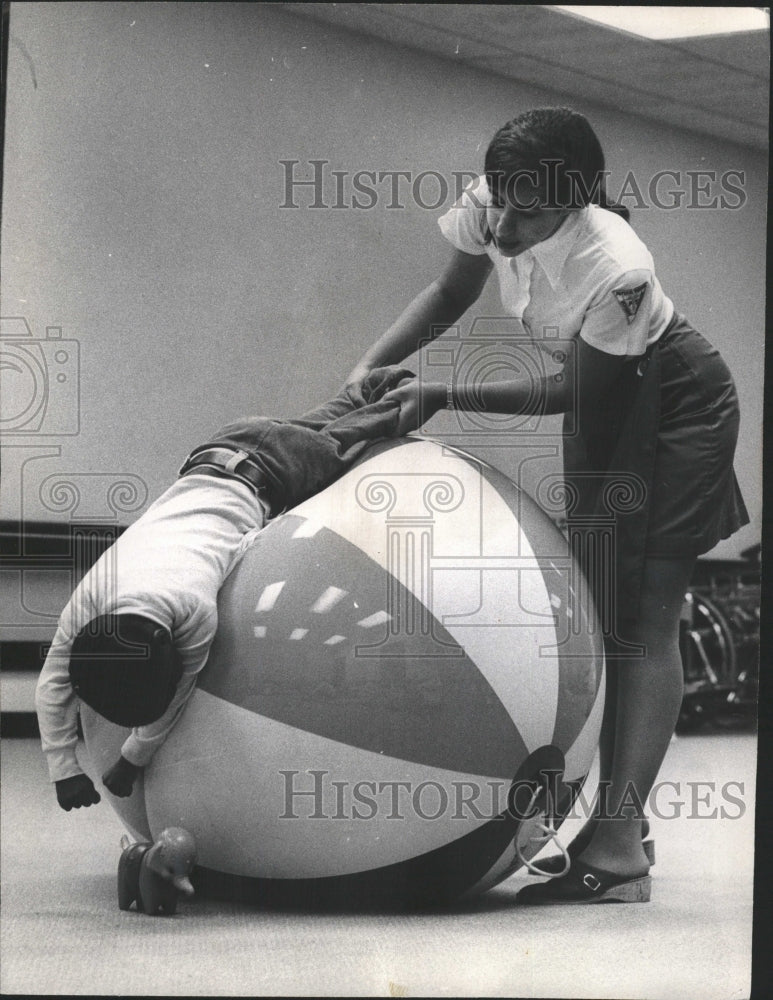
(630,300)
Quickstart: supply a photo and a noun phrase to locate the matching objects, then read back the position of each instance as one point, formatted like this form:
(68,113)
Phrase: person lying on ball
(138,627)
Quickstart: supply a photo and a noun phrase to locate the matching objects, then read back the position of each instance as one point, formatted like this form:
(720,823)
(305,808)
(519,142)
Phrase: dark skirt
(649,468)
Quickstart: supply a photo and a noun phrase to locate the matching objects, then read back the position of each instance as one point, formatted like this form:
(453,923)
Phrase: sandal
(586,884)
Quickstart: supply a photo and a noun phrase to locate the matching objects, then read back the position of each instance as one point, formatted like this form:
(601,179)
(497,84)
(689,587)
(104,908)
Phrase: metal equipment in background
(720,643)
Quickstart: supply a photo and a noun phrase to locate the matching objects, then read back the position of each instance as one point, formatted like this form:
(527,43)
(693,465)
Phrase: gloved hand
(76,791)
(121,777)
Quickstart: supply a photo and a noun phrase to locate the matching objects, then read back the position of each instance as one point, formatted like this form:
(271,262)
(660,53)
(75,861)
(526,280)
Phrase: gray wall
(142,214)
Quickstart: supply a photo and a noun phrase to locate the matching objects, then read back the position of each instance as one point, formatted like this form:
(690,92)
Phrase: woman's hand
(354,385)
(418,402)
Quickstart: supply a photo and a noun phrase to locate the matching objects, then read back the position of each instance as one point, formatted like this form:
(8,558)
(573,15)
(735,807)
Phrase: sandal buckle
(591,882)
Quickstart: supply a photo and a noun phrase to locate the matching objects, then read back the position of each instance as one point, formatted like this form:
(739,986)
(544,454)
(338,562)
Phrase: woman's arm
(586,376)
(431,312)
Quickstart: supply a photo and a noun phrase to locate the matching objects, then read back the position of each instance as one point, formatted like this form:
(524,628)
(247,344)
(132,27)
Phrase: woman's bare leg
(641,718)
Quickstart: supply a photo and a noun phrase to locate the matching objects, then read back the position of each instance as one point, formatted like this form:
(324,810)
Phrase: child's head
(126,668)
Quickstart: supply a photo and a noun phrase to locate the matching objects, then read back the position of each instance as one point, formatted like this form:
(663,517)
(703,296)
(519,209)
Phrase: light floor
(62,931)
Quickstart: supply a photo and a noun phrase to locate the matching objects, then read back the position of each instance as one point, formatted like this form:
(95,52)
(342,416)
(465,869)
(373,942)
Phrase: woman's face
(518,218)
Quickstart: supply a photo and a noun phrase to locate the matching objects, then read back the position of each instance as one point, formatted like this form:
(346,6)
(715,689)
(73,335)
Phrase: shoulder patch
(630,299)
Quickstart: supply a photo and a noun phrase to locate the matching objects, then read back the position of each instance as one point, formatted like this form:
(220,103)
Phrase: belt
(232,462)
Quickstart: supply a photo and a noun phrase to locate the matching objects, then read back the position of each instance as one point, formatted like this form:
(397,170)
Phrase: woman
(650,408)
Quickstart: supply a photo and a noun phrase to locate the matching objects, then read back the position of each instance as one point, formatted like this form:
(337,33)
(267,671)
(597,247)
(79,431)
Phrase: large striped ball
(398,660)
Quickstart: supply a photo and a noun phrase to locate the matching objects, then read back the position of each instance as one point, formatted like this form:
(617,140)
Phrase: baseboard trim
(19,725)
(23,654)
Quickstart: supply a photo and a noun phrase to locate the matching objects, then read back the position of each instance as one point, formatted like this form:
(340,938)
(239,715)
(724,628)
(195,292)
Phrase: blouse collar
(552,252)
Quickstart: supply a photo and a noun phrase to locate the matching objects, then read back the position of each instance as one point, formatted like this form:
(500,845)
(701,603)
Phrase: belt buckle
(231,466)
(235,460)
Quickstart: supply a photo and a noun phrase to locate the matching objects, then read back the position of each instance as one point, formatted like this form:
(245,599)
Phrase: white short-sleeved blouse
(593,277)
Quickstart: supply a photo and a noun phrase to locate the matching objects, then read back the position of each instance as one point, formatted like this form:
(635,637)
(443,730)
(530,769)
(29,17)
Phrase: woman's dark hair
(557,149)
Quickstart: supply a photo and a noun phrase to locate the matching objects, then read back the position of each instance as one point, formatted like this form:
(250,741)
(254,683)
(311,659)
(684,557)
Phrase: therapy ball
(398,660)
